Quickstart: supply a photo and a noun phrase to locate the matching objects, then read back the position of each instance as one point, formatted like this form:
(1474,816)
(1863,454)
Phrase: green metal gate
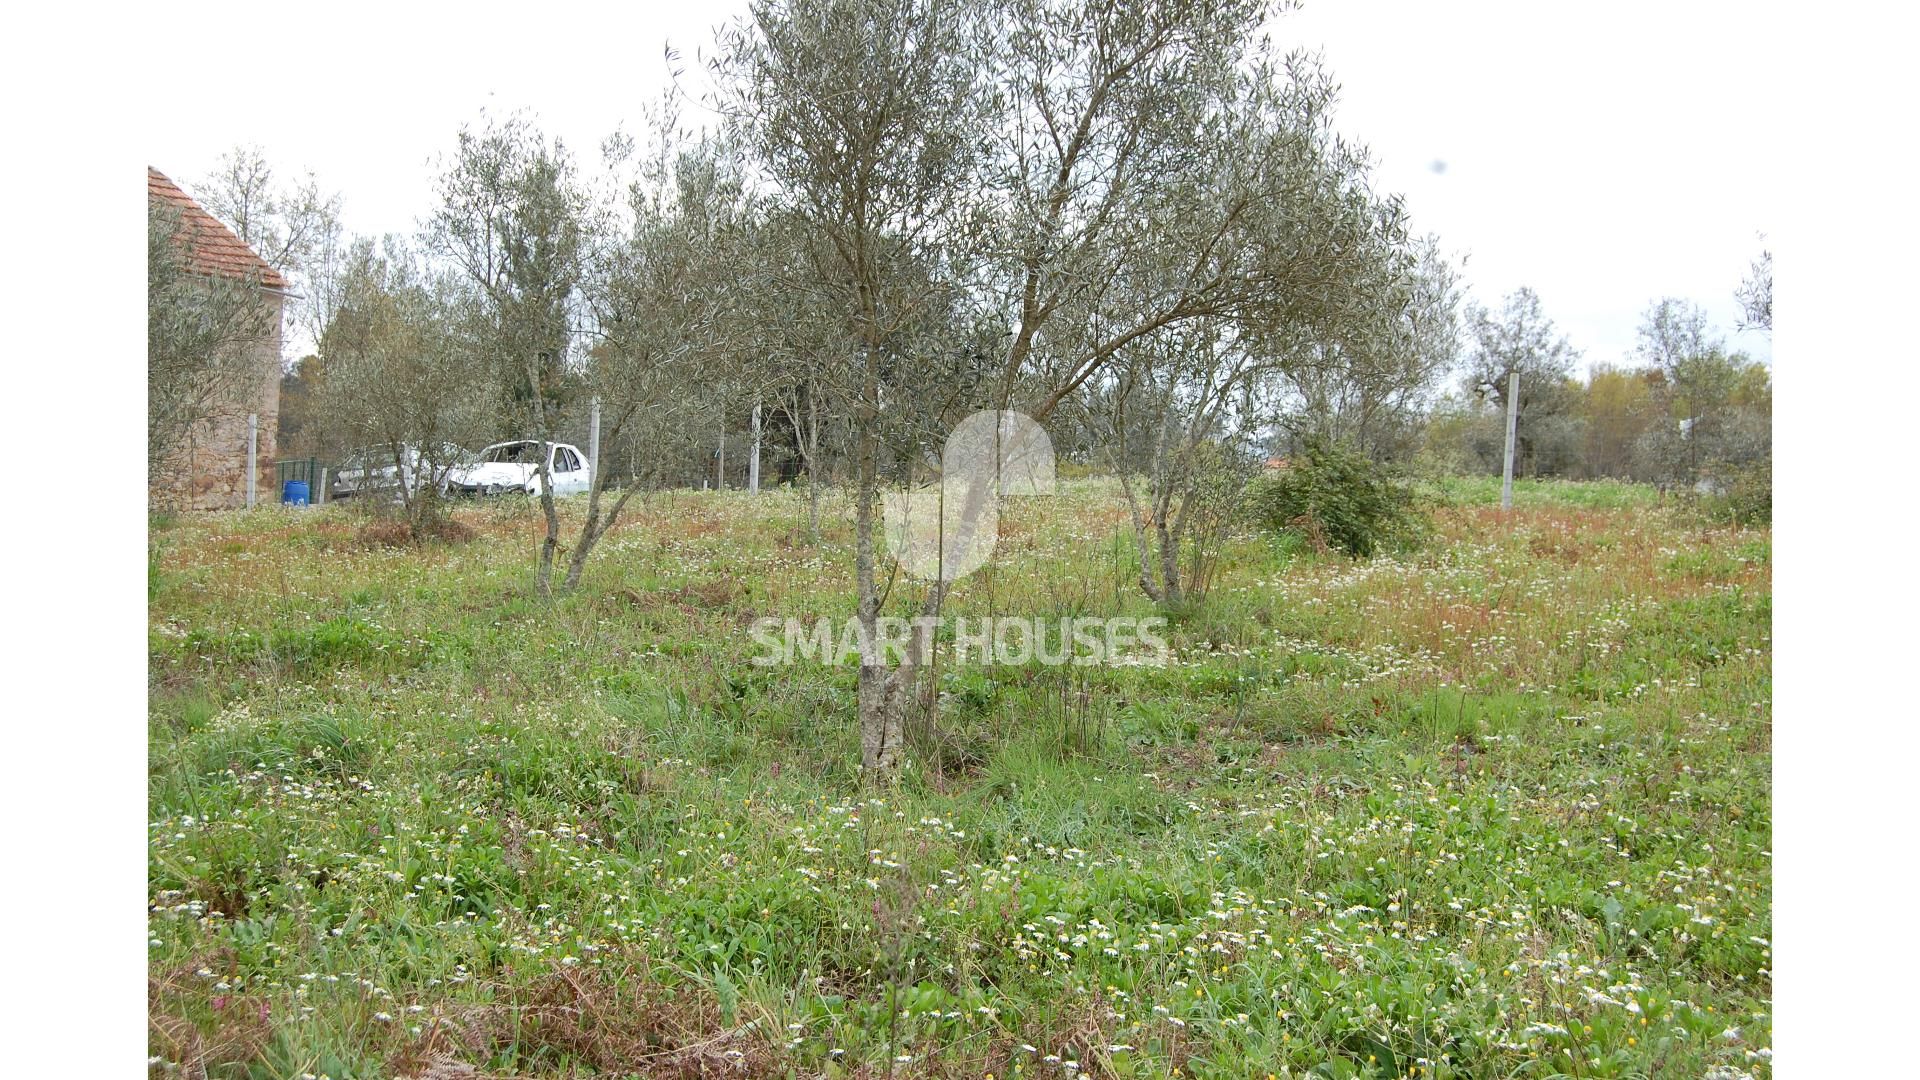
(307,469)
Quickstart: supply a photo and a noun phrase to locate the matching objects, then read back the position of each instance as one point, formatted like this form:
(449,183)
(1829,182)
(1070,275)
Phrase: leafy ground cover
(1496,807)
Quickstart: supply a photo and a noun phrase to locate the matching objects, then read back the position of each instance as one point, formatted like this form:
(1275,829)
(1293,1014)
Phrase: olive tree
(511,219)
(659,287)
(863,119)
(1369,384)
(1187,406)
(997,200)
(399,379)
(1179,411)
(1199,241)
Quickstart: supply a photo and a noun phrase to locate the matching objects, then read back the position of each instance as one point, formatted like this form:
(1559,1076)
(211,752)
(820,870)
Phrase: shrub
(1216,487)
(1335,498)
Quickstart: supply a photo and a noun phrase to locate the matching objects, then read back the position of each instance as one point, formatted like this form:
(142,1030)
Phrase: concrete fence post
(753,463)
(593,439)
(1513,419)
(253,459)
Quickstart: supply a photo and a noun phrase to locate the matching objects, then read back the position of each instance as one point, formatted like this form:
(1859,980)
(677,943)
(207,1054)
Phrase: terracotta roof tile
(216,250)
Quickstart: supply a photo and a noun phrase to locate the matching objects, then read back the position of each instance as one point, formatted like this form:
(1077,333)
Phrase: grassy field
(1497,807)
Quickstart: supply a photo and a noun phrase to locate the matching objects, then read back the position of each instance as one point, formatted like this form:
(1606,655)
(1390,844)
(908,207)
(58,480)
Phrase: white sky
(1606,155)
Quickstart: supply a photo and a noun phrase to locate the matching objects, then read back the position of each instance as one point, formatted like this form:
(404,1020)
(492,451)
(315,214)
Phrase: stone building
(210,471)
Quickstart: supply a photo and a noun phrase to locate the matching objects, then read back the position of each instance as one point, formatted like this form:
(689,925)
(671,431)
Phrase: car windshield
(516,453)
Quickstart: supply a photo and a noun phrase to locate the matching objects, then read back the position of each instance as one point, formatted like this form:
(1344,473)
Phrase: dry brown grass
(398,534)
(194,1029)
(579,1017)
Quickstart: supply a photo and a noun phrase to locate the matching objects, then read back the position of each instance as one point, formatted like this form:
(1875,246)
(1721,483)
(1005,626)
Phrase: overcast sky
(1606,155)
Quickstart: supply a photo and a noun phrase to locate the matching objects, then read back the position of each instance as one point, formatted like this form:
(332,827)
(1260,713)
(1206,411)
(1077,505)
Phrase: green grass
(1497,807)
(1588,494)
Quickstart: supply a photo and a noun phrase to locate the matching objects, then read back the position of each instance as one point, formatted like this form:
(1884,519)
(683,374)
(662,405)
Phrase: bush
(1335,498)
(1216,485)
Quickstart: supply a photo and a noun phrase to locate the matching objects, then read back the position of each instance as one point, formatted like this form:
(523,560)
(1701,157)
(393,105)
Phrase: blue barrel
(294,493)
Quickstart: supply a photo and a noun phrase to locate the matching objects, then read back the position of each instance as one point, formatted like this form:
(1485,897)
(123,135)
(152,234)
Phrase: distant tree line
(1683,411)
